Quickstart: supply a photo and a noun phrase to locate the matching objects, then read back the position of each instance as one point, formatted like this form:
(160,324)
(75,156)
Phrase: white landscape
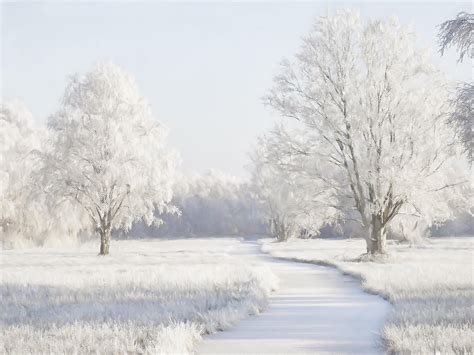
(236,178)
(167,296)
(149,296)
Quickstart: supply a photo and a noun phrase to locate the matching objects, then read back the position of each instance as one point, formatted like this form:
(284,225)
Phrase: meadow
(148,296)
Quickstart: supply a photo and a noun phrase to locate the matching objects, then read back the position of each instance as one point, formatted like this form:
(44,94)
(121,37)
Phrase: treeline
(210,204)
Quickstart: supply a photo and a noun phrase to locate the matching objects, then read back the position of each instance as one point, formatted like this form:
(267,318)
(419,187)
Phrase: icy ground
(431,287)
(316,310)
(154,296)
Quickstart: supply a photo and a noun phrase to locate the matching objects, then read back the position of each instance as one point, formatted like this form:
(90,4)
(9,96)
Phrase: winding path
(316,310)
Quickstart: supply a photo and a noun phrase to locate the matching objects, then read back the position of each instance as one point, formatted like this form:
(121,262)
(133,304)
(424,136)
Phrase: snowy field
(430,286)
(147,296)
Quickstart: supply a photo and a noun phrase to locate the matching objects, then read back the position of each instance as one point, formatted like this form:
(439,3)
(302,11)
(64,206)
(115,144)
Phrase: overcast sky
(204,66)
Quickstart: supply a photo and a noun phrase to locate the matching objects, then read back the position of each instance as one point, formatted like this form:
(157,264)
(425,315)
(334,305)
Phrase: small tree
(108,153)
(275,194)
(371,133)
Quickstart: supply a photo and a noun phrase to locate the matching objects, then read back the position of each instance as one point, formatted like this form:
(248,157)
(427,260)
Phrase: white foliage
(27,216)
(19,148)
(108,152)
(292,203)
(371,132)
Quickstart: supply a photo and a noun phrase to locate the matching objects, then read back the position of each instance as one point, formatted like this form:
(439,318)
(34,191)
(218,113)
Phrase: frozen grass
(146,297)
(430,286)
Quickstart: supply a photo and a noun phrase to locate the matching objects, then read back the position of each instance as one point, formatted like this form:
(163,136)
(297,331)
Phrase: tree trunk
(282,231)
(273,228)
(377,239)
(368,240)
(105,235)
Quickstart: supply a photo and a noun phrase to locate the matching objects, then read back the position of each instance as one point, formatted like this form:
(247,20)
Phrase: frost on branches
(293,206)
(19,155)
(108,153)
(370,133)
(459,32)
(27,215)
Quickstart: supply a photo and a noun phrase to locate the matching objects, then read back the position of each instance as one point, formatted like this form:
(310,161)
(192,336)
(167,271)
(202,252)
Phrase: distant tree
(459,32)
(108,153)
(275,192)
(289,199)
(370,131)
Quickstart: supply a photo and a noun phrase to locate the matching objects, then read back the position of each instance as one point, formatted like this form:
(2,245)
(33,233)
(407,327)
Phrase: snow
(315,310)
(147,296)
(162,296)
(430,286)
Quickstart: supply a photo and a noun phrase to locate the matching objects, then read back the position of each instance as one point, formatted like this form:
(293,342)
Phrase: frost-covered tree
(275,192)
(20,145)
(292,205)
(108,153)
(462,117)
(459,32)
(370,131)
(27,216)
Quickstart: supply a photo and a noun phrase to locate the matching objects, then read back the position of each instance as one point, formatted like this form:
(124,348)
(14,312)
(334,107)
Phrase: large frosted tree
(108,153)
(370,133)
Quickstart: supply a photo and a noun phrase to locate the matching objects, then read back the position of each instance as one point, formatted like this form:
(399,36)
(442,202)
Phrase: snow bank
(430,286)
(148,296)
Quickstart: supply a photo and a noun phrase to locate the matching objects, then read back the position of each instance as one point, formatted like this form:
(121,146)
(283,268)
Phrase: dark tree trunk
(377,239)
(105,235)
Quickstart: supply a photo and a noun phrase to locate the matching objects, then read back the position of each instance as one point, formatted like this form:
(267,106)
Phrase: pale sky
(203,66)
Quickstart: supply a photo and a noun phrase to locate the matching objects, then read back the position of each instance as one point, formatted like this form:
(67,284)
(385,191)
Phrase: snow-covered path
(316,310)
